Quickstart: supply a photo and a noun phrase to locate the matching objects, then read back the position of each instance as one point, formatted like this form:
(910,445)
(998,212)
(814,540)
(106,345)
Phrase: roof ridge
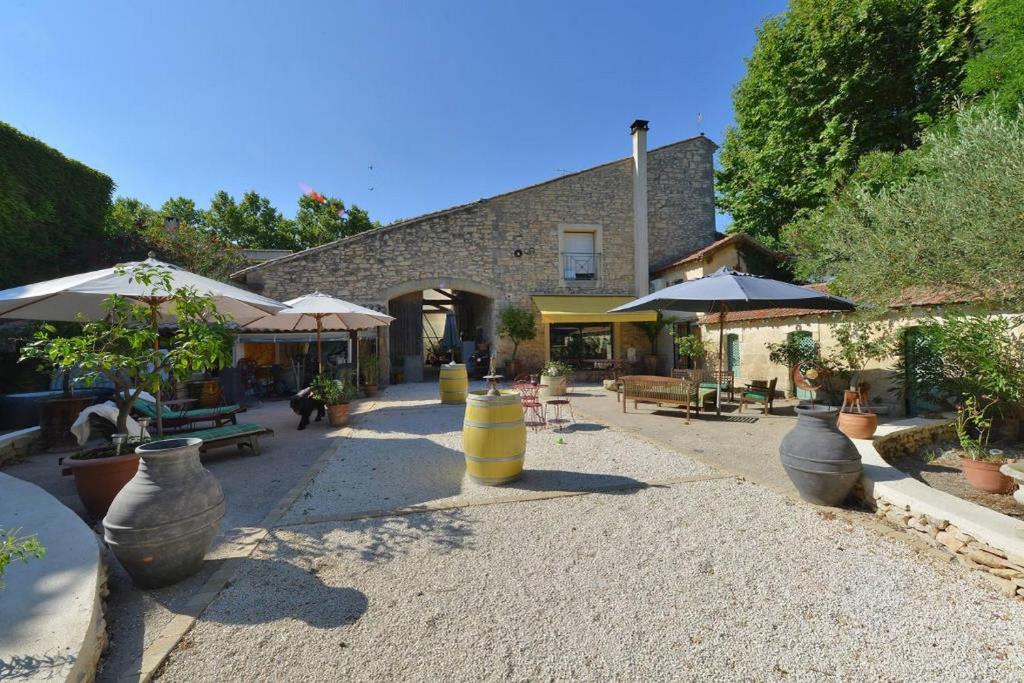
(462,207)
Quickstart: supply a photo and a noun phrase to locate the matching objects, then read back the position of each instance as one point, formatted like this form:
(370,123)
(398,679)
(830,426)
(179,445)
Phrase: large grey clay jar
(821,461)
(162,522)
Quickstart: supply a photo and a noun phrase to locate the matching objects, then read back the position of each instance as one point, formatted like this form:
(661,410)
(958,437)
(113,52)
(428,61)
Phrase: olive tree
(125,345)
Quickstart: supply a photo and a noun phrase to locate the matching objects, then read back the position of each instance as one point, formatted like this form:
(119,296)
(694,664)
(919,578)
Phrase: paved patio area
(613,558)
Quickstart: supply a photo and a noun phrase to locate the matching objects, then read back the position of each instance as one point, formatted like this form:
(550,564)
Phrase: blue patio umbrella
(450,338)
(728,290)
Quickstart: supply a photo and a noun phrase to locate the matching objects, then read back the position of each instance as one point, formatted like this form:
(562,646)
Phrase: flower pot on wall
(985,476)
(99,479)
(858,425)
(337,415)
(163,521)
(552,385)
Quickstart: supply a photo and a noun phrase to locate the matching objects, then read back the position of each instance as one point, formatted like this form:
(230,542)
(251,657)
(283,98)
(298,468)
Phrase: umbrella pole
(721,367)
(156,366)
(354,338)
(319,349)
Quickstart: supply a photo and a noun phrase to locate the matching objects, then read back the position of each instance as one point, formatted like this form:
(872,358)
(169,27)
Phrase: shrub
(859,343)
(556,368)
(14,547)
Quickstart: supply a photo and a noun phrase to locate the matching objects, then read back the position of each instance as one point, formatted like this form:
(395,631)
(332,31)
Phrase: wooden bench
(661,391)
(245,434)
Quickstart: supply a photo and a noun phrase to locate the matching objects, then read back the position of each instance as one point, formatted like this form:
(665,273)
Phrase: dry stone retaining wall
(1003,567)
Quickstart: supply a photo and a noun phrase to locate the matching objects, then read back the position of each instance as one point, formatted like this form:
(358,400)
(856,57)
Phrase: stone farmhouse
(569,249)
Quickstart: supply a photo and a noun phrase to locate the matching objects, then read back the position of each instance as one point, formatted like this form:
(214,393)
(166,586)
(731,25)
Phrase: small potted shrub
(553,378)
(335,394)
(858,345)
(981,466)
(371,375)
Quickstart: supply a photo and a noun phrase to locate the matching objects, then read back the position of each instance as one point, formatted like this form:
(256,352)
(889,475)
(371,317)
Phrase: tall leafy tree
(946,216)
(318,222)
(252,223)
(828,81)
(998,69)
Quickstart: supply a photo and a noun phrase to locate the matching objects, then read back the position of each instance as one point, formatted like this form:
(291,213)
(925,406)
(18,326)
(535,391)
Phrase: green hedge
(51,211)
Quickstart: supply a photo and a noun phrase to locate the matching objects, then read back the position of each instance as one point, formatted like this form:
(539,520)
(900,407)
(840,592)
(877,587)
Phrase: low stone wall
(18,444)
(51,609)
(976,537)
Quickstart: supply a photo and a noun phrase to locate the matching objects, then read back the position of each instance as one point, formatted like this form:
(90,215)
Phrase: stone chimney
(641,258)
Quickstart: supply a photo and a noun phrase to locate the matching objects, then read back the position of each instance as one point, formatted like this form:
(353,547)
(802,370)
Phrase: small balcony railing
(580,266)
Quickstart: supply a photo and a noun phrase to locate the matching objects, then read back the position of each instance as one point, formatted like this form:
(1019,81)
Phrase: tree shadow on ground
(279,589)
(378,536)
(708,417)
(25,667)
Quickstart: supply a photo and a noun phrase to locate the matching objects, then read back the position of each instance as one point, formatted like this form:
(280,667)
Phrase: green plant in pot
(858,344)
(554,377)
(693,347)
(125,348)
(652,330)
(335,394)
(371,375)
(980,464)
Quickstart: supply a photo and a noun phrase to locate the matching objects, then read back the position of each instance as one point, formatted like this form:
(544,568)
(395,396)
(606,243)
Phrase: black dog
(303,406)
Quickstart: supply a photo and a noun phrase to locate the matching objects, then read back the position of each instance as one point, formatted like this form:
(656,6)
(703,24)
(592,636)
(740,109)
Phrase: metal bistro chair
(533,409)
(559,404)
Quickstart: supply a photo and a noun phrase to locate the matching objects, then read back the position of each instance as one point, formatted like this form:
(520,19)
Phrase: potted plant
(517,325)
(858,344)
(553,378)
(652,329)
(371,375)
(124,349)
(693,347)
(973,429)
(335,394)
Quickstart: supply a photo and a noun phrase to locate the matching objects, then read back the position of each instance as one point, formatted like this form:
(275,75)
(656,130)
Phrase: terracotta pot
(98,480)
(985,476)
(371,390)
(858,425)
(337,415)
(163,521)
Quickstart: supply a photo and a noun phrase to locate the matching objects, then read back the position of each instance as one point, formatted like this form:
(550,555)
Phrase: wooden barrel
(454,384)
(494,437)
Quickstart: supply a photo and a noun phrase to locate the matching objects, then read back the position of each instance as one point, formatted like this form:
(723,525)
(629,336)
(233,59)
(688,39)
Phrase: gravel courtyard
(613,558)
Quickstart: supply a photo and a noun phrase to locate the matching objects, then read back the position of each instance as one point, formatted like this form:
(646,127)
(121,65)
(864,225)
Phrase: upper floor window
(580,253)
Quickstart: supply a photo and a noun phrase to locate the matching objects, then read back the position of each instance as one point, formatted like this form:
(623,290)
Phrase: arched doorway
(438,319)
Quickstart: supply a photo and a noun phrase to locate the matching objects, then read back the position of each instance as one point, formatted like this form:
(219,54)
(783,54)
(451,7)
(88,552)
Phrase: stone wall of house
(681,200)
(507,247)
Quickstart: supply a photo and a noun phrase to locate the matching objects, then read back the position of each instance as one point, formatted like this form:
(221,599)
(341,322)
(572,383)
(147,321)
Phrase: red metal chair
(560,404)
(533,409)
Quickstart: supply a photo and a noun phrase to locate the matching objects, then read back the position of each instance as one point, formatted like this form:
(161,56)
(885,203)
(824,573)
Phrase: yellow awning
(584,308)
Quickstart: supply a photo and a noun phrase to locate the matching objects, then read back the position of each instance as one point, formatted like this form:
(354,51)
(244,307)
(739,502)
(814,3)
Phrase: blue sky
(447,101)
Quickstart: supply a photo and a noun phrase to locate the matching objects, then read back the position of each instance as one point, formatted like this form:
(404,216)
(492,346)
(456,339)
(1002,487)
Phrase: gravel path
(715,580)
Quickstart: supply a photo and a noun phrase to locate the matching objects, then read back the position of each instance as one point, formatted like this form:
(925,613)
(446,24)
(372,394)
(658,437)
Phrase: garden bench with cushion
(244,434)
(661,391)
(177,418)
(707,387)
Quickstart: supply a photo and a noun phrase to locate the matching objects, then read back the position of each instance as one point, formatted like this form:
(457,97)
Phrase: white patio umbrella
(319,312)
(728,290)
(81,296)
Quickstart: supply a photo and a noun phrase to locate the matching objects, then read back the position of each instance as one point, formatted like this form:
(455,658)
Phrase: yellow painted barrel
(494,437)
(454,383)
